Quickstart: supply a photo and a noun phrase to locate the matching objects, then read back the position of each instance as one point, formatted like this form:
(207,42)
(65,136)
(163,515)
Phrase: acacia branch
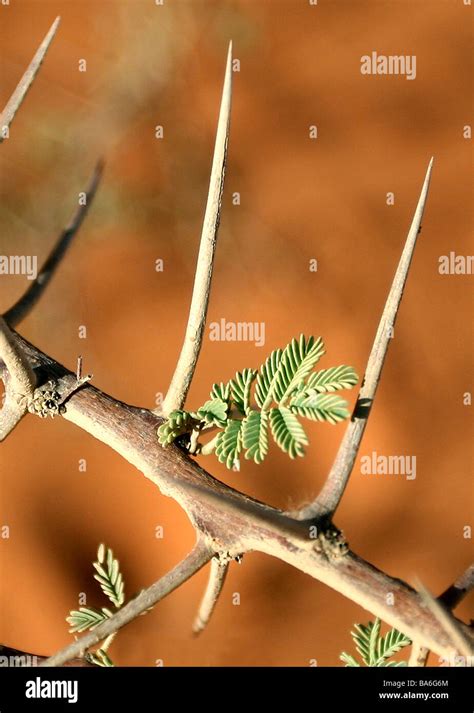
(233,522)
(25,82)
(330,496)
(191,348)
(191,564)
(228,522)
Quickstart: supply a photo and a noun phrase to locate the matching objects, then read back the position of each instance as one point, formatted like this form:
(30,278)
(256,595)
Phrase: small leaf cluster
(107,573)
(375,650)
(269,401)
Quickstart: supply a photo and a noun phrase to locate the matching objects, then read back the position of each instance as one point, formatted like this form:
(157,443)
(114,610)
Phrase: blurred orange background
(301,199)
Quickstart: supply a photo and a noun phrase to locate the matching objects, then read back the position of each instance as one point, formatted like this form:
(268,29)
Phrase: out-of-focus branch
(196,559)
(217,575)
(191,348)
(330,496)
(26,81)
(17,313)
(461,588)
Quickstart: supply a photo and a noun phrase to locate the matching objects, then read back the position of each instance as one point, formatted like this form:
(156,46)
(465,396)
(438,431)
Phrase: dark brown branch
(16,314)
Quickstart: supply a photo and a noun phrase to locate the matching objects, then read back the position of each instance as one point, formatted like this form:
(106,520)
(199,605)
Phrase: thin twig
(217,575)
(196,559)
(188,357)
(16,314)
(333,489)
(25,82)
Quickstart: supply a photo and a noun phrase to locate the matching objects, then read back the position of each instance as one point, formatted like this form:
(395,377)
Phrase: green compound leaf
(298,359)
(178,423)
(86,618)
(391,644)
(285,387)
(229,444)
(284,371)
(374,649)
(213,412)
(364,640)
(255,435)
(288,432)
(267,377)
(320,407)
(333,379)
(109,576)
(241,387)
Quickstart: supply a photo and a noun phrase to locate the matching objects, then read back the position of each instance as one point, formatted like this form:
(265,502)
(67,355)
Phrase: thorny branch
(227,522)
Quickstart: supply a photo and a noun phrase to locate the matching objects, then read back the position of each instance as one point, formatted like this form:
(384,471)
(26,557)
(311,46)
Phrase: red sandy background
(300,199)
